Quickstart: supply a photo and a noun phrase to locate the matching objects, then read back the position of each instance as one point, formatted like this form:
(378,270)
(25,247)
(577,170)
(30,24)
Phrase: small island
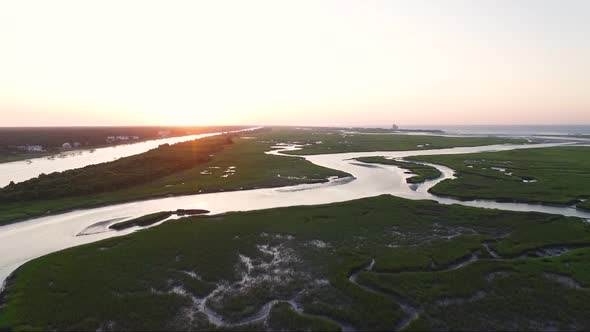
(153,218)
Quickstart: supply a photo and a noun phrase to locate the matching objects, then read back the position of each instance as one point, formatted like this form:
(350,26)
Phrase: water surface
(19,171)
(21,242)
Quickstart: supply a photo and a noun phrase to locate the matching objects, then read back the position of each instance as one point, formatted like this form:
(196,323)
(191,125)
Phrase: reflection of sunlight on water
(332,181)
(100,227)
(18,171)
(33,238)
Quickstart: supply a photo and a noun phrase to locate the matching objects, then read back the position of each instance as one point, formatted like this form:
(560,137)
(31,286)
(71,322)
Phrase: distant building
(66,146)
(77,144)
(164,133)
(122,138)
(134,137)
(110,139)
(31,148)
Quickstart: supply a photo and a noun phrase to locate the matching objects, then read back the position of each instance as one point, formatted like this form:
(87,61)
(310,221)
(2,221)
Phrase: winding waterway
(24,241)
(19,171)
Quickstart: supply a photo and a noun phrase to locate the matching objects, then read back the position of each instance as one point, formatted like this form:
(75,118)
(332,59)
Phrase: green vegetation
(322,141)
(153,218)
(521,294)
(8,156)
(201,166)
(239,262)
(181,169)
(13,140)
(559,175)
(423,172)
(142,221)
(119,174)
(391,130)
(284,318)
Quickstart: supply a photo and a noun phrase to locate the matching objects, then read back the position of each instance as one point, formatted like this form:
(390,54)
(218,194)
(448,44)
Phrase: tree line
(120,174)
(53,137)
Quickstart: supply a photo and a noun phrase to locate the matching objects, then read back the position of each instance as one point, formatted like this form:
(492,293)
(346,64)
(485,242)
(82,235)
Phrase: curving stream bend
(40,236)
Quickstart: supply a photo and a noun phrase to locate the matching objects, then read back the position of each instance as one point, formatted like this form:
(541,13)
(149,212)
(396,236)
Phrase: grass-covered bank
(527,294)
(207,165)
(119,174)
(154,279)
(421,172)
(7,157)
(154,218)
(201,166)
(559,175)
(326,140)
(14,140)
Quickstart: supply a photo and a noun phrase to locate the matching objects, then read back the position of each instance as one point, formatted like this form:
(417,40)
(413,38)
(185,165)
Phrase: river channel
(22,170)
(24,241)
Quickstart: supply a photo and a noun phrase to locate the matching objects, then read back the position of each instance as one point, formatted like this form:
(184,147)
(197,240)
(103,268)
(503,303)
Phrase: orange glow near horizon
(293,63)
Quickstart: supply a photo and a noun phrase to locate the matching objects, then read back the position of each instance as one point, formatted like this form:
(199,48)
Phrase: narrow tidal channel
(24,241)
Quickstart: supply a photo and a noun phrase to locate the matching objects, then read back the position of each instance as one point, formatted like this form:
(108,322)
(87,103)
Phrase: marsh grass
(251,168)
(326,140)
(149,279)
(421,172)
(561,175)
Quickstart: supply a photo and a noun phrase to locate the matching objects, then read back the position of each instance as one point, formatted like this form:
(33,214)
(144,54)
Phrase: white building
(66,146)
(33,148)
(164,133)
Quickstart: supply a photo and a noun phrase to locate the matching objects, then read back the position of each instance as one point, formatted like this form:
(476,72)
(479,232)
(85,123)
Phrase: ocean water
(511,129)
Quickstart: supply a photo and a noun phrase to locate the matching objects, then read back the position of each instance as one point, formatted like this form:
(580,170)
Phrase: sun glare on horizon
(306,62)
(295,165)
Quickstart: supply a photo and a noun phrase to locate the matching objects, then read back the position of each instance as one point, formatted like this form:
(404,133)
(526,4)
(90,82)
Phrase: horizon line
(301,125)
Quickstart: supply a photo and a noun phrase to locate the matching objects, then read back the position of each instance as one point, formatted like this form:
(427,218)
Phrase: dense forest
(119,174)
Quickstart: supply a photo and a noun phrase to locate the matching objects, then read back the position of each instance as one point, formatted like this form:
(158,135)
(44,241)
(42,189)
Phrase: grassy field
(143,221)
(559,175)
(153,218)
(7,157)
(241,165)
(119,174)
(515,294)
(422,172)
(155,279)
(322,141)
(52,138)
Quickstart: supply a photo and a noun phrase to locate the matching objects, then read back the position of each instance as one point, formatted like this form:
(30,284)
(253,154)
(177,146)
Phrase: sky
(318,62)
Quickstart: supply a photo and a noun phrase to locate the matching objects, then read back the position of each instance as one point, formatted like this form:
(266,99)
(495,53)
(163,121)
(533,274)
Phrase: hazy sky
(294,62)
